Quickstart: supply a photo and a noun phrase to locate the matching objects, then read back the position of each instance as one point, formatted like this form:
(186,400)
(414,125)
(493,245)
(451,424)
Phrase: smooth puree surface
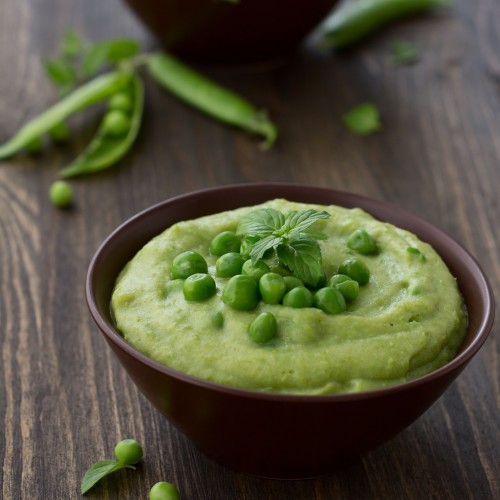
(407,321)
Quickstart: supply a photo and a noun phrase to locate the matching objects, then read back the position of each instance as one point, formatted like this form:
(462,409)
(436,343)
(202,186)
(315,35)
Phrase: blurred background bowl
(279,435)
(231,32)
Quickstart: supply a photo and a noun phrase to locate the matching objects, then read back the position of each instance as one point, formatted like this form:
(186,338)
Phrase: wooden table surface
(64,399)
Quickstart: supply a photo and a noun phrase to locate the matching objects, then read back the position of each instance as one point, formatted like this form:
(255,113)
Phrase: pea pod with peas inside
(209,97)
(92,92)
(116,134)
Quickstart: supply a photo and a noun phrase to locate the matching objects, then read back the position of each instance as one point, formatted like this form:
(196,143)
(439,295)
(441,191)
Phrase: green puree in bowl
(408,320)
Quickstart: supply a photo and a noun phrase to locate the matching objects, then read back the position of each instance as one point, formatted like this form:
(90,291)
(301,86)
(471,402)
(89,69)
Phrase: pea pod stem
(209,97)
(104,151)
(90,93)
(357,20)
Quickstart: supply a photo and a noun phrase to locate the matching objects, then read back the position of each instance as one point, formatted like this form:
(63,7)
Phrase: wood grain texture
(65,401)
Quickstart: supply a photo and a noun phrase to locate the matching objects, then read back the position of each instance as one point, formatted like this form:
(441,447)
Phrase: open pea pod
(90,93)
(105,150)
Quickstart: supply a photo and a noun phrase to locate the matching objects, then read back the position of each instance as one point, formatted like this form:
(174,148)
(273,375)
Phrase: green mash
(407,321)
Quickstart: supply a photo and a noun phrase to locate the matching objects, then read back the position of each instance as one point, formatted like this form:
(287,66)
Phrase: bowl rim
(458,362)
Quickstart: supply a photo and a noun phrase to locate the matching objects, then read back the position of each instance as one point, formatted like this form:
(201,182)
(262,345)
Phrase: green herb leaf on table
(71,45)
(99,470)
(364,119)
(290,236)
(404,53)
(61,73)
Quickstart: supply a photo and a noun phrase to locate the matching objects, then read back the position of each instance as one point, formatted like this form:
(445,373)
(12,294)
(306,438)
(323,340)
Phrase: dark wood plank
(65,401)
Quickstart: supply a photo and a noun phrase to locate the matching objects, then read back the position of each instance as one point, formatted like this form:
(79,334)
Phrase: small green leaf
(60,72)
(95,57)
(363,119)
(99,470)
(303,257)
(262,246)
(300,222)
(261,222)
(121,49)
(404,53)
(71,45)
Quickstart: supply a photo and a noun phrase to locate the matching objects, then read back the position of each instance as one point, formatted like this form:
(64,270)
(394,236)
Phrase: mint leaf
(404,53)
(261,247)
(300,222)
(121,49)
(363,119)
(95,57)
(261,222)
(60,72)
(303,257)
(99,470)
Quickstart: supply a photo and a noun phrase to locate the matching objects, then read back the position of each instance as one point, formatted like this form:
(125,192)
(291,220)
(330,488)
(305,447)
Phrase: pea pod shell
(104,151)
(210,97)
(356,21)
(90,93)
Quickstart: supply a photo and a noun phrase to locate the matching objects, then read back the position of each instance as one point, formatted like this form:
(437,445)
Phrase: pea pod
(92,92)
(356,21)
(105,149)
(209,97)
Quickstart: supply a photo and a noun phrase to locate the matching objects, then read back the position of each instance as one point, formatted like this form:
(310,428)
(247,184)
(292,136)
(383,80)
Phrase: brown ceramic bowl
(277,435)
(222,31)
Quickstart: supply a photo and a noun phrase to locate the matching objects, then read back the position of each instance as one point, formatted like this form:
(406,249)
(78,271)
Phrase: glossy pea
(330,300)
(217,319)
(272,287)
(224,242)
(362,242)
(199,287)
(229,264)
(356,269)
(187,263)
(163,490)
(263,328)
(116,123)
(292,282)
(241,293)
(59,133)
(337,278)
(209,97)
(61,194)
(128,451)
(34,146)
(255,270)
(349,289)
(298,297)
(121,101)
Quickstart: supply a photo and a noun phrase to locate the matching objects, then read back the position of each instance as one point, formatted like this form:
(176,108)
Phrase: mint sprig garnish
(291,237)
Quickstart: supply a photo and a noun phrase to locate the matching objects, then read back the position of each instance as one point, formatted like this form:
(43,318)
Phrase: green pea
(361,242)
(187,263)
(59,132)
(224,242)
(337,278)
(164,490)
(292,282)
(217,319)
(263,328)
(128,451)
(272,287)
(298,297)
(330,300)
(198,287)
(229,264)
(34,146)
(241,293)
(257,270)
(349,289)
(61,194)
(356,269)
(121,101)
(116,123)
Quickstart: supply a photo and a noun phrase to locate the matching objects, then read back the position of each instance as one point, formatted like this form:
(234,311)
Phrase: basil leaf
(261,247)
(363,119)
(261,222)
(99,470)
(303,257)
(299,222)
